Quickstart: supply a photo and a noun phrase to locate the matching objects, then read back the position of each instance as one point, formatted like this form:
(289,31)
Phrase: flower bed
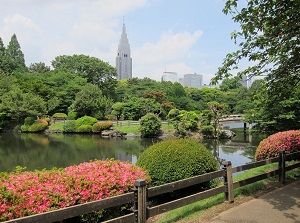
(269,147)
(27,193)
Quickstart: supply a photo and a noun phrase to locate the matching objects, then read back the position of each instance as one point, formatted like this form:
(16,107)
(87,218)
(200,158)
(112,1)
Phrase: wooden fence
(141,211)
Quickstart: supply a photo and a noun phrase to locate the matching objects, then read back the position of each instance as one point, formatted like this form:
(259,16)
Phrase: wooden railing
(141,211)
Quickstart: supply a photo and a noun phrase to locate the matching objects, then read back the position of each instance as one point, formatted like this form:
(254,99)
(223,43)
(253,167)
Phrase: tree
(38,68)
(117,110)
(91,102)
(230,84)
(14,54)
(17,104)
(219,110)
(270,37)
(94,70)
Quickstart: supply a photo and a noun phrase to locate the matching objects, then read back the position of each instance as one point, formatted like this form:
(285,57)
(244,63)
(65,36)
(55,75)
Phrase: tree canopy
(270,39)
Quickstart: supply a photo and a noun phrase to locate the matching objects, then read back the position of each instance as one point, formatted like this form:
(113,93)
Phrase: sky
(191,36)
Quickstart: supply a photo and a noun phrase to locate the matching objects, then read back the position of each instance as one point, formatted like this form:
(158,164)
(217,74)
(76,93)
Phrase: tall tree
(14,54)
(270,39)
(94,70)
(38,68)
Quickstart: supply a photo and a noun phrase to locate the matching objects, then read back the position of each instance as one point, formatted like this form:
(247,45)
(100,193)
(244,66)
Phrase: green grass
(197,208)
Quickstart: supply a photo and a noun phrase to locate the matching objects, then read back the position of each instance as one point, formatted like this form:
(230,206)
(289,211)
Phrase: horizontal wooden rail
(254,165)
(166,188)
(76,210)
(159,209)
(140,195)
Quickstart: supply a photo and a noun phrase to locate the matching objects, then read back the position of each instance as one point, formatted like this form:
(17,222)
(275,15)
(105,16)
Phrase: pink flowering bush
(26,193)
(269,147)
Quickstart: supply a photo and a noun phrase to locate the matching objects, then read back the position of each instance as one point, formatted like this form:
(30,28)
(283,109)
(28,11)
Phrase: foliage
(176,159)
(85,120)
(69,127)
(27,193)
(37,126)
(72,115)
(150,125)
(90,101)
(101,126)
(40,68)
(84,129)
(183,120)
(207,130)
(94,70)
(269,147)
(270,38)
(59,115)
(29,121)
(117,110)
(219,110)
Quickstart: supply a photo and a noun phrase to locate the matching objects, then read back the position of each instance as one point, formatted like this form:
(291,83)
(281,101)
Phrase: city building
(169,76)
(244,81)
(123,59)
(193,80)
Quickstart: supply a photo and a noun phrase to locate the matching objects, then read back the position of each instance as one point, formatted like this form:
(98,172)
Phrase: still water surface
(41,151)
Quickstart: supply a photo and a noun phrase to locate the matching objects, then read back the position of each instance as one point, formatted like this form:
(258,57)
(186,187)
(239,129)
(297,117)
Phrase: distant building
(193,80)
(244,81)
(169,76)
(123,59)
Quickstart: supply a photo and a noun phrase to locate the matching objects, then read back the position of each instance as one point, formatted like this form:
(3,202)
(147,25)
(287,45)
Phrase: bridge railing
(141,210)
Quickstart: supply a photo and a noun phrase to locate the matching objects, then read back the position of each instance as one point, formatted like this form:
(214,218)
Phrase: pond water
(42,151)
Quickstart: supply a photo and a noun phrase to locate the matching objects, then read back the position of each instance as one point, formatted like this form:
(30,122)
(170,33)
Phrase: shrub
(69,126)
(38,126)
(29,121)
(101,126)
(84,128)
(72,116)
(85,120)
(207,131)
(27,193)
(25,128)
(269,147)
(176,159)
(150,125)
(60,116)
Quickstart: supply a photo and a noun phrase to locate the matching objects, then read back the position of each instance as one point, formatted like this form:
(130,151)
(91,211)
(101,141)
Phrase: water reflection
(39,151)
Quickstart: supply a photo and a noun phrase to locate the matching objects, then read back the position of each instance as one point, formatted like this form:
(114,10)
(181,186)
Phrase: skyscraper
(123,59)
(193,80)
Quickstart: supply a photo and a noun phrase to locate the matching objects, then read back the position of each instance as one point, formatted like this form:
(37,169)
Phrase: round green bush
(85,120)
(84,128)
(69,126)
(207,131)
(38,126)
(100,126)
(269,147)
(150,125)
(176,159)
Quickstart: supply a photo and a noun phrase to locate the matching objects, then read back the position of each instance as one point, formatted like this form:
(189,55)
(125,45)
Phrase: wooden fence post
(228,181)
(140,201)
(281,166)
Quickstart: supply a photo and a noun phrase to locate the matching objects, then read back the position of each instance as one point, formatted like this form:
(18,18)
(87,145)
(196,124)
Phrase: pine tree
(14,54)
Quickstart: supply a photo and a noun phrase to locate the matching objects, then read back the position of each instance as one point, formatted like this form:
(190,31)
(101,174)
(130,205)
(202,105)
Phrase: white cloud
(170,53)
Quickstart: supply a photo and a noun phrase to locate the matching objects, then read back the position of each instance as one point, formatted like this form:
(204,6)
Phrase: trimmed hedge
(37,126)
(269,147)
(176,159)
(150,125)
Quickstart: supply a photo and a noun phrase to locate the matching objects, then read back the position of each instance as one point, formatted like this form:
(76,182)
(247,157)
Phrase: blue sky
(191,36)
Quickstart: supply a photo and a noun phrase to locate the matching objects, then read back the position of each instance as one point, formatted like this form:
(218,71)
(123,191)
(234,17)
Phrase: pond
(45,151)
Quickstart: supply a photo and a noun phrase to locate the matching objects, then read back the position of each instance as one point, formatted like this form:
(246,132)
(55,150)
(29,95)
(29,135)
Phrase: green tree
(219,110)
(17,104)
(38,68)
(91,102)
(150,125)
(14,55)
(269,38)
(94,70)
(230,84)
(117,110)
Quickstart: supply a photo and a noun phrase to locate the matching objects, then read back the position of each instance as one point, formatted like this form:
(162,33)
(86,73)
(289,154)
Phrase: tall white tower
(123,59)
